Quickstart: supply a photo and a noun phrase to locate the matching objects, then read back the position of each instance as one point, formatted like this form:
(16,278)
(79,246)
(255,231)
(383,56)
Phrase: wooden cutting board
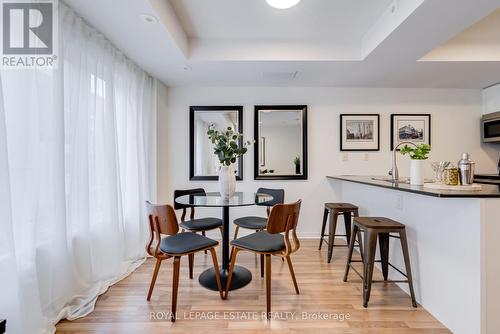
(439,186)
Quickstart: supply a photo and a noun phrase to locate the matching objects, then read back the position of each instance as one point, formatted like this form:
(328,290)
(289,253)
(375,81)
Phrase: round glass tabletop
(213,199)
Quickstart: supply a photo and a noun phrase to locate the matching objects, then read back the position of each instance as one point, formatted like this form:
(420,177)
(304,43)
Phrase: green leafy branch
(420,152)
(226,144)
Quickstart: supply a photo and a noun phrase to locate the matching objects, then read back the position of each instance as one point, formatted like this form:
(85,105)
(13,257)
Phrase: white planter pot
(227,181)
(417,172)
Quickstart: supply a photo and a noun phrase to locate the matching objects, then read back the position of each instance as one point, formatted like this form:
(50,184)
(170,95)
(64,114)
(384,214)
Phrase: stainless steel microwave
(490,128)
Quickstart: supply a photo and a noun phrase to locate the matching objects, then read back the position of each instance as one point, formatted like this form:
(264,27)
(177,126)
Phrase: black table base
(241,277)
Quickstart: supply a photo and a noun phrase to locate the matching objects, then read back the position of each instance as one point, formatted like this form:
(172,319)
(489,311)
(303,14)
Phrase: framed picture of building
(414,128)
(359,132)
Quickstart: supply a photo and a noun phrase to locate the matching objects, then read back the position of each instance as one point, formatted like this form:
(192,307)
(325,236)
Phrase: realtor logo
(29,32)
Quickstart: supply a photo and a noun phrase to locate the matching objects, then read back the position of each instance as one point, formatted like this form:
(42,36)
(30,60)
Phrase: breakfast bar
(453,242)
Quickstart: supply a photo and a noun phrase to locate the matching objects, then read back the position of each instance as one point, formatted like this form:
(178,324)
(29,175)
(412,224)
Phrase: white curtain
(76,165)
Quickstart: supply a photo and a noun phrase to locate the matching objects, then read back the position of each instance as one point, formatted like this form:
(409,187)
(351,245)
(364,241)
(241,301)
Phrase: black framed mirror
(203,163)
(280,134)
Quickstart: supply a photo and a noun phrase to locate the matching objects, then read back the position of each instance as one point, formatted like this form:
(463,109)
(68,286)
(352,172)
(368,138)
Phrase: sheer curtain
(76,166)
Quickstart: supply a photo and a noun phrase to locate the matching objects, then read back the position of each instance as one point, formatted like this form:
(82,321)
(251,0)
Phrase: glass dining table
(241,276)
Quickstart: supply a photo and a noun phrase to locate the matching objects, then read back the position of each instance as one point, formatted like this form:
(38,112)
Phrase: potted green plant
(226,148)
(418,155)
(296,162)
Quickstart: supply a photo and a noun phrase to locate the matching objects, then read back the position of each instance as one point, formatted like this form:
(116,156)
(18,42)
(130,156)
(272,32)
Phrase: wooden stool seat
(380,223)
(378,228)
(342,207)
(334,210)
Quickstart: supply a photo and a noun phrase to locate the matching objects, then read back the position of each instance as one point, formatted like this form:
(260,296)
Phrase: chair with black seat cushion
(165,242)
(279,239)
(259,223)
(195,224)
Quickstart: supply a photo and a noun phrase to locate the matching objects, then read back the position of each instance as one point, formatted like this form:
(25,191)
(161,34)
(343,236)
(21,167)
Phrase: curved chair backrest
(278,196)
(283,219)
(179,193)
(162,220)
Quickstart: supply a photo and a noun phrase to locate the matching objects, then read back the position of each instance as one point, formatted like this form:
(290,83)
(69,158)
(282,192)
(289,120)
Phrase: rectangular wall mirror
(203,163)
(280,134)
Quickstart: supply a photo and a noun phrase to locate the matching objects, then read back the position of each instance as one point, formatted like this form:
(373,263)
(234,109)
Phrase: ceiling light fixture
(148,18)
(282,4)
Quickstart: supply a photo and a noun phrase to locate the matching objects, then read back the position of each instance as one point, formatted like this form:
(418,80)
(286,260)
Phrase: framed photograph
(359,132)
(414,128)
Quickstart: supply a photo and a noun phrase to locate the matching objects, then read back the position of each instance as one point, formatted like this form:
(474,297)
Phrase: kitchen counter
(487,191)
(453,240)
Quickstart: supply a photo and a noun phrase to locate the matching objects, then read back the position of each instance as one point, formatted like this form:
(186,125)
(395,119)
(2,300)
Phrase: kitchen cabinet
(491,99)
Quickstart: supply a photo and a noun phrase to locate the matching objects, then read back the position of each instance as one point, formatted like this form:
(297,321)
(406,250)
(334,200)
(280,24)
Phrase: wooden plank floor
(124,309)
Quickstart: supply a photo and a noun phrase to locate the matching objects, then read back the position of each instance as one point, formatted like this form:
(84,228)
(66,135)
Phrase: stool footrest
(379,261)
(346,245)
(390,281)
(355,270)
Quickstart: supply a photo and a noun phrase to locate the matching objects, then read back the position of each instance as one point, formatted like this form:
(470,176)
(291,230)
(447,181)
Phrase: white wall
(455,129)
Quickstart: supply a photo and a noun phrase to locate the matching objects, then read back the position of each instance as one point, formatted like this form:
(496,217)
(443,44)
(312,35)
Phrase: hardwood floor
(124,309)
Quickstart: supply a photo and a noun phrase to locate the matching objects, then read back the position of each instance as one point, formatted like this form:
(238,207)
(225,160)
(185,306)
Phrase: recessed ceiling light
(282,4)
(148,18)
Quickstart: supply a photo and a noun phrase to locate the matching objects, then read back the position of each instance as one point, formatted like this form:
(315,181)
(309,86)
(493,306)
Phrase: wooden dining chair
(279,239)
(195,224)
(257,223)
(165,242)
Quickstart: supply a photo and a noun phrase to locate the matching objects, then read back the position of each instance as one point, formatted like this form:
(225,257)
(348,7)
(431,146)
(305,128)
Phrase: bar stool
(334,210)
(380,227)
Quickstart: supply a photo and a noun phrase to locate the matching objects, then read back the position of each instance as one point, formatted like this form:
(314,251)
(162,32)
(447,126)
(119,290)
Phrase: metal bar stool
(334,210)
(380,227)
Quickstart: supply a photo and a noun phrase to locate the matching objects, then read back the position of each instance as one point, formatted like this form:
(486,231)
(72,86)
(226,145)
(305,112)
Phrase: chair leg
(406,255)
(153,279)
(262,265)
(236,228)
(370,246)
(203,234)
(360,239)
(331,236)
(217,274)
(349,253)
(323,226)
(360,243)
(292,272)
(234,251)
(191,263)
(175,286)
(268,285)
(348,223)
(383,242)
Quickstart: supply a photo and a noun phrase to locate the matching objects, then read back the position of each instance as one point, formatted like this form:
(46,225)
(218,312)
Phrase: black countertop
(488,190)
